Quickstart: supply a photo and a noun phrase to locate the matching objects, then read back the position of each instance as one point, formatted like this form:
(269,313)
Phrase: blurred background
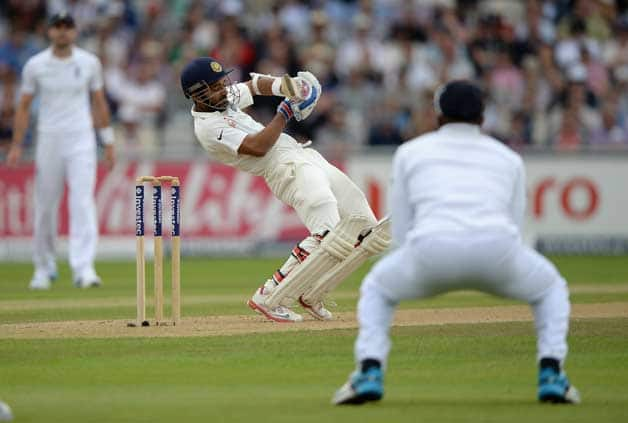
(555,74)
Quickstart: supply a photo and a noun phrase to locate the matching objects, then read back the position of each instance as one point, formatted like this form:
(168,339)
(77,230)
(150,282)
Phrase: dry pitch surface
(251,323)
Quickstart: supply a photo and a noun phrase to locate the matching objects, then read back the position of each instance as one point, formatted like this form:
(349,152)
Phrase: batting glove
(285,108)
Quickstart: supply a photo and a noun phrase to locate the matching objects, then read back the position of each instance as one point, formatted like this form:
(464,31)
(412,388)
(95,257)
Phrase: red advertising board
(217,201)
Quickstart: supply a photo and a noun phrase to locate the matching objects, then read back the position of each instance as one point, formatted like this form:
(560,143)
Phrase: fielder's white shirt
(63,86)
(456,179)
(222,133)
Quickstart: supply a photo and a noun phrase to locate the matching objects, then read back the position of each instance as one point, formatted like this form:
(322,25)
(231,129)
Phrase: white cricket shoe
(279,314)
(6,415)
(87,279)
(40,282)
(317,310)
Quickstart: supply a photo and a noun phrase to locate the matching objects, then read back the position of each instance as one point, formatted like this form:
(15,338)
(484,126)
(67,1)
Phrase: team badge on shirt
(216,66)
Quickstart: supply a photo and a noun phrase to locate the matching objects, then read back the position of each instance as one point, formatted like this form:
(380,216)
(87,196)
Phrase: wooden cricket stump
(175,202)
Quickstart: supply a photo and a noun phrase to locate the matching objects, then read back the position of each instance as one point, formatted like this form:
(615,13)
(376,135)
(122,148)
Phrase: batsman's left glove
(309,92)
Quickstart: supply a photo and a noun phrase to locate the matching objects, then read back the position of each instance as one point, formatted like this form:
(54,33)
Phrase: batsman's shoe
(318,310)
(279,314)
(361,387)
(40,282)
(554,387)
(87,279)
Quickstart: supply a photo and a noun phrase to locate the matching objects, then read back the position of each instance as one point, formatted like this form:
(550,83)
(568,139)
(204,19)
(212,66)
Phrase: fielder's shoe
(53,274)
(40,282)
(6,415)
(360,388)
(278,314)
(87,279)
(554,387)
(318,310)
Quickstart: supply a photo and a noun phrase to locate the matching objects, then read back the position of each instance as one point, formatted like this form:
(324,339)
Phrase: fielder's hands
(110,157)
(14,155)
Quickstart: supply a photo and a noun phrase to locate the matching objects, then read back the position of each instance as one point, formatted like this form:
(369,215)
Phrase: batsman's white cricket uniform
(458,200)
(66,151)
(300,177)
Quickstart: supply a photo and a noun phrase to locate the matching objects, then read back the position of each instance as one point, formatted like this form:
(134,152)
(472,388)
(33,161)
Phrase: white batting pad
(337,245)
(375,242)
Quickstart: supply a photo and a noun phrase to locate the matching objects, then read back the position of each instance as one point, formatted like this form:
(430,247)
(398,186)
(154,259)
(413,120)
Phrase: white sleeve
(96,81)
(219,135)
(29,81)
(245,99)
(518,203)
(401,212)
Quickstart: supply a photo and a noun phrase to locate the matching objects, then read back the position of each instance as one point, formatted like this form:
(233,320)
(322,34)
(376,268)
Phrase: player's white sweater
(456,179)
(63,86)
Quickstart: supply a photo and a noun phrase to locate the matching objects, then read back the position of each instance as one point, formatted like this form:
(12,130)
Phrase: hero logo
(579,197)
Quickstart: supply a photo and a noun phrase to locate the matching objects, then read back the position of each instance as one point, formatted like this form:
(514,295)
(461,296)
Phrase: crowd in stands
(555,73)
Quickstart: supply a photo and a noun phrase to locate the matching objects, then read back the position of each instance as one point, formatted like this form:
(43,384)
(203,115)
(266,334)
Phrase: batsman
(343,229)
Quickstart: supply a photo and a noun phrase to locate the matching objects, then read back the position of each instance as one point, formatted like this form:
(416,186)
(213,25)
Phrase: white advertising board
(576,204)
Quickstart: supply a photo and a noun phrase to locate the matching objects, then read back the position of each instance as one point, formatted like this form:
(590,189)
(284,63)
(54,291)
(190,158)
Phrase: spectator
(573,121)
(141,98)
(392,48)
(234,49)
(568,50)
(613,132)
(615,51)
(17,48)
(588,12)
(597,74)
(336,140)
(361,51)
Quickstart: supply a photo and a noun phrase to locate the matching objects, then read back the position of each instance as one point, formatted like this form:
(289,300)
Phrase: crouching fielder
(457,205)
(320,193)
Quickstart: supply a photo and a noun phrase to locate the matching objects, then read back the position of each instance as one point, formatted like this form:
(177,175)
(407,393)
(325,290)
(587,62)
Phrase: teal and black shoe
(554,387)
(361,387)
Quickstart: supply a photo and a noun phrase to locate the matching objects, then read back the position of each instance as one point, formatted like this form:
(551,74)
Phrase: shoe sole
(39,288)
(90,285)
(361,399)
(253,306)
(558,396)
(311,311)
(553,399)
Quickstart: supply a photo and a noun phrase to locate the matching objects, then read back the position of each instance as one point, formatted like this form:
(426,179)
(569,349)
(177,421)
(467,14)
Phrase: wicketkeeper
(343,229)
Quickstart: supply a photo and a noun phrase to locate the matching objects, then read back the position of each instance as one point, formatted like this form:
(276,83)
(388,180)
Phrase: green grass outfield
(482,372)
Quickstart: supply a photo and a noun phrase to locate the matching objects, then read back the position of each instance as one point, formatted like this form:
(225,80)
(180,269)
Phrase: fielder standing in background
(457,202)
(320,193)
(63,76)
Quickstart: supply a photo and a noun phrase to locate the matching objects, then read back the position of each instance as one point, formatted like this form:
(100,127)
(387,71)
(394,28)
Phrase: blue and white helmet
(199,75)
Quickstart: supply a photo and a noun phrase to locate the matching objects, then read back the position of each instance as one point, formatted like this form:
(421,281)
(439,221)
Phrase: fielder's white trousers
(65,158)
(490,262)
